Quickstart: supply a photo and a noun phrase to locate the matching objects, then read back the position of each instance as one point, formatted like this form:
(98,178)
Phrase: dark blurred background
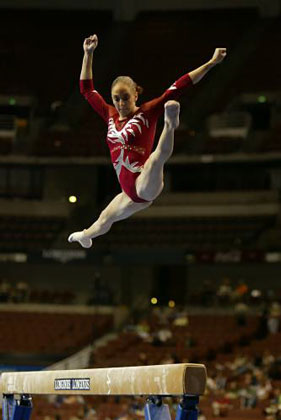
(203,263)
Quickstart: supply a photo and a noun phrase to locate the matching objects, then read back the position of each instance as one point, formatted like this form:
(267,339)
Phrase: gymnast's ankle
(86,234)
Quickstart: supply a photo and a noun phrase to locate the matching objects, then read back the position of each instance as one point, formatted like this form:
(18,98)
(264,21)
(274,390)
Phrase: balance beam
(159,380)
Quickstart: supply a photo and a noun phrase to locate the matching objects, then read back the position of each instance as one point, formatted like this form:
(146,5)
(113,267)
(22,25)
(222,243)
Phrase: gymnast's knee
(160,158)
(148,193)
(156,161)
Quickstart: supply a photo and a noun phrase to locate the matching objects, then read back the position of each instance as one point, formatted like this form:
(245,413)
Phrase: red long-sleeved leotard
(130,141)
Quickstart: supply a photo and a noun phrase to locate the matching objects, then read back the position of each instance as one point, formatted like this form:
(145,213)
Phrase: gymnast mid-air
(130,138)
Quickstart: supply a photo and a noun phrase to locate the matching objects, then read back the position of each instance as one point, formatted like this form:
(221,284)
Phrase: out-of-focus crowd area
(243,361)
(241,353)
(239,295)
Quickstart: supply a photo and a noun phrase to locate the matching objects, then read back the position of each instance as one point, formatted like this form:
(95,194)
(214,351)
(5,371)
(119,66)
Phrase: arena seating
(208,342)
(207,331)
(49,71)
(48,66)
(28,233)
(176,44)
(87,140)
(195,234)
(150,29)
(40,333)
(272,140)
(253,74)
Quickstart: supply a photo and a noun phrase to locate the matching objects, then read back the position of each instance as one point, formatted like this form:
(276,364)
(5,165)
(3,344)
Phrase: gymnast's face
(124,99)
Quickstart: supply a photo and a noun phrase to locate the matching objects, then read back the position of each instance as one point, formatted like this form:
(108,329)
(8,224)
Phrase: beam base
(16,409)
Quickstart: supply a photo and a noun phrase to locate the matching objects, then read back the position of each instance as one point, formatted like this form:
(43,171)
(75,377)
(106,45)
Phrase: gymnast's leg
(150,183)
(121,207)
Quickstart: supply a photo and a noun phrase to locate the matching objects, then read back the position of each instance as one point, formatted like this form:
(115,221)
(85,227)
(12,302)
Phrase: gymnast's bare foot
(80,237)
(172,112)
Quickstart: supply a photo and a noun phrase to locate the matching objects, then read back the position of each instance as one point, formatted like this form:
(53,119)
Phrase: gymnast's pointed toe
(80,237)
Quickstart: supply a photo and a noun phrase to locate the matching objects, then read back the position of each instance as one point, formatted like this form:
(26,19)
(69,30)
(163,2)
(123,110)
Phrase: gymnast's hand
(90,44)
(219,55)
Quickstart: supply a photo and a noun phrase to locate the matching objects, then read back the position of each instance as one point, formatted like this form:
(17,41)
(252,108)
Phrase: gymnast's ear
(139,91)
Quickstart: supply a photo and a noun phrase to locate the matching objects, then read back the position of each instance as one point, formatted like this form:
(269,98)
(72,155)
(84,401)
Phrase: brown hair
(128,81)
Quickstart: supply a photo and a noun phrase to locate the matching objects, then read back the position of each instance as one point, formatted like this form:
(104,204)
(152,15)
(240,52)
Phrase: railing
(8,127)
(233,125)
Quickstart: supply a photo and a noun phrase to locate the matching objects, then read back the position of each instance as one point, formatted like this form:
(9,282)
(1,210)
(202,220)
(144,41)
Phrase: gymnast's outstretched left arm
(180,86)
(197,74)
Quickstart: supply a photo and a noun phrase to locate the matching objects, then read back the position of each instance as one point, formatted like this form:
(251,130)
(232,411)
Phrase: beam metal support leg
(155,410)
(187,408)
(16,408)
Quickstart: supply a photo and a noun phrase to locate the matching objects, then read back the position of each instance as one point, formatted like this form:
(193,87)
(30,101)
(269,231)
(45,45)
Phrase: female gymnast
(130,138)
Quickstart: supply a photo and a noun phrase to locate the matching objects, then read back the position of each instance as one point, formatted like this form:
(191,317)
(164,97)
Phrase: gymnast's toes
(80,237)
(172,110)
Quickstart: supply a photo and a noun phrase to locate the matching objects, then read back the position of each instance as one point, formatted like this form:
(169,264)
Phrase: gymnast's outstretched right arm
(89,46)
(86,79)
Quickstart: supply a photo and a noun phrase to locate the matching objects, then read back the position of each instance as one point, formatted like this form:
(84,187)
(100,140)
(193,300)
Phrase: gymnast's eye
(124,98)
